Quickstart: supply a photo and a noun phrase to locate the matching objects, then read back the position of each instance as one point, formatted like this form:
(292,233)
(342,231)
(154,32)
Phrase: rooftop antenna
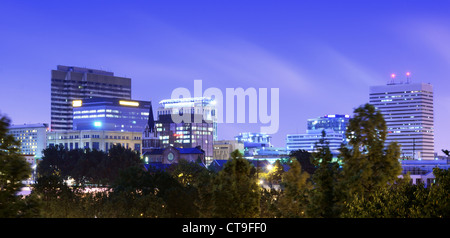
(408,78)
(392,79)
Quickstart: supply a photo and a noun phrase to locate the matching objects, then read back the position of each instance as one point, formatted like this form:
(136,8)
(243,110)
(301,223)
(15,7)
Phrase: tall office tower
(408,111)
(199,129)
(72,83)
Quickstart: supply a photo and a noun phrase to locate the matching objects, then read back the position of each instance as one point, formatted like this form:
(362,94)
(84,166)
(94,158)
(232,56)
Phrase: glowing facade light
(408,73)
(97,123)
(129,103)
(77,103)
(392,75)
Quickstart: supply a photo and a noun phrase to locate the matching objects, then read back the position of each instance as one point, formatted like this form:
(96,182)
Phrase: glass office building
(110,114)
(71,83)
(335,122)
(200,130)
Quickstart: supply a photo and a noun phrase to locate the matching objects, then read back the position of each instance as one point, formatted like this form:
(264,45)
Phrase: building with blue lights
(110,114)
(334,127)
(197,129)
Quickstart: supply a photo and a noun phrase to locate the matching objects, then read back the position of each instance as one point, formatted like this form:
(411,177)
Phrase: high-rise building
(32,138)
(198,130)
(408,111)
(111,114)
(334,126)
(74,83)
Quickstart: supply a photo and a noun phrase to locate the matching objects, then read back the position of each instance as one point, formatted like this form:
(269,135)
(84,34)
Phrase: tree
(438,202)
(293,200)
(366,164)
(13,170)
(325,199)
(304,158)
(119,158)
(236,193)
(275,174)
(199,181)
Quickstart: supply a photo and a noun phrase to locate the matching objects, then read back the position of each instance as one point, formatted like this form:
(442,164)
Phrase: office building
(110,114)
(308,141)
(95,139)
(334,126)
(335,122)
(253,142)
(32,138)
(199,129)
(74,83)
(224,148)
(254,139)
(408,111)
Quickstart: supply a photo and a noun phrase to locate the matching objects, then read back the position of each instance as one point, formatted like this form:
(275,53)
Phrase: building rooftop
(44,125)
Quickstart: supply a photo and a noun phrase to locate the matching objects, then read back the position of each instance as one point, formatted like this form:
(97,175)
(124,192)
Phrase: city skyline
(322,57)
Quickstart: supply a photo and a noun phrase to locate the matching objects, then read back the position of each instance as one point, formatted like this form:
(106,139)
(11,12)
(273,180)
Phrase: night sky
(322,55)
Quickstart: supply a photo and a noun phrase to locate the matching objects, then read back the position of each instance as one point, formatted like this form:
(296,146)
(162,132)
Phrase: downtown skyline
(322,57)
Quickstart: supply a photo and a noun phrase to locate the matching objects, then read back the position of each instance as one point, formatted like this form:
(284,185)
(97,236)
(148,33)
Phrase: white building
(408,111)
(95,139)
(32,138)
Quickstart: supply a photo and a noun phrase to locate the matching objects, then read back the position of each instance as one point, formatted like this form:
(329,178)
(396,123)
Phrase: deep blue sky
(322,55)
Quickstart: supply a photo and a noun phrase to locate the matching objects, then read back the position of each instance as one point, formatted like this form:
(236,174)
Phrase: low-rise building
(223,148)
(172,155)
(95,139)
(32,137)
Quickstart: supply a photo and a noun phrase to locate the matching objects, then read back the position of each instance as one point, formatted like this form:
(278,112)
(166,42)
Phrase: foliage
(13,171)
(366,165)
(325,199)
(405,200)
(87,166)
(305,160)
(236,193)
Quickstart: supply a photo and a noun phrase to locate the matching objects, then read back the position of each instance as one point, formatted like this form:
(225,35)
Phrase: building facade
(409,114)
(308,141)
(95,139)
(223,148)
(197,129)
(74,83)
(172,155)
(32,138)
(110,114)
(334,126)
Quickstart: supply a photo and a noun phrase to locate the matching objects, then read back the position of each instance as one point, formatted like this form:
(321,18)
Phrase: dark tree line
(87,166)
